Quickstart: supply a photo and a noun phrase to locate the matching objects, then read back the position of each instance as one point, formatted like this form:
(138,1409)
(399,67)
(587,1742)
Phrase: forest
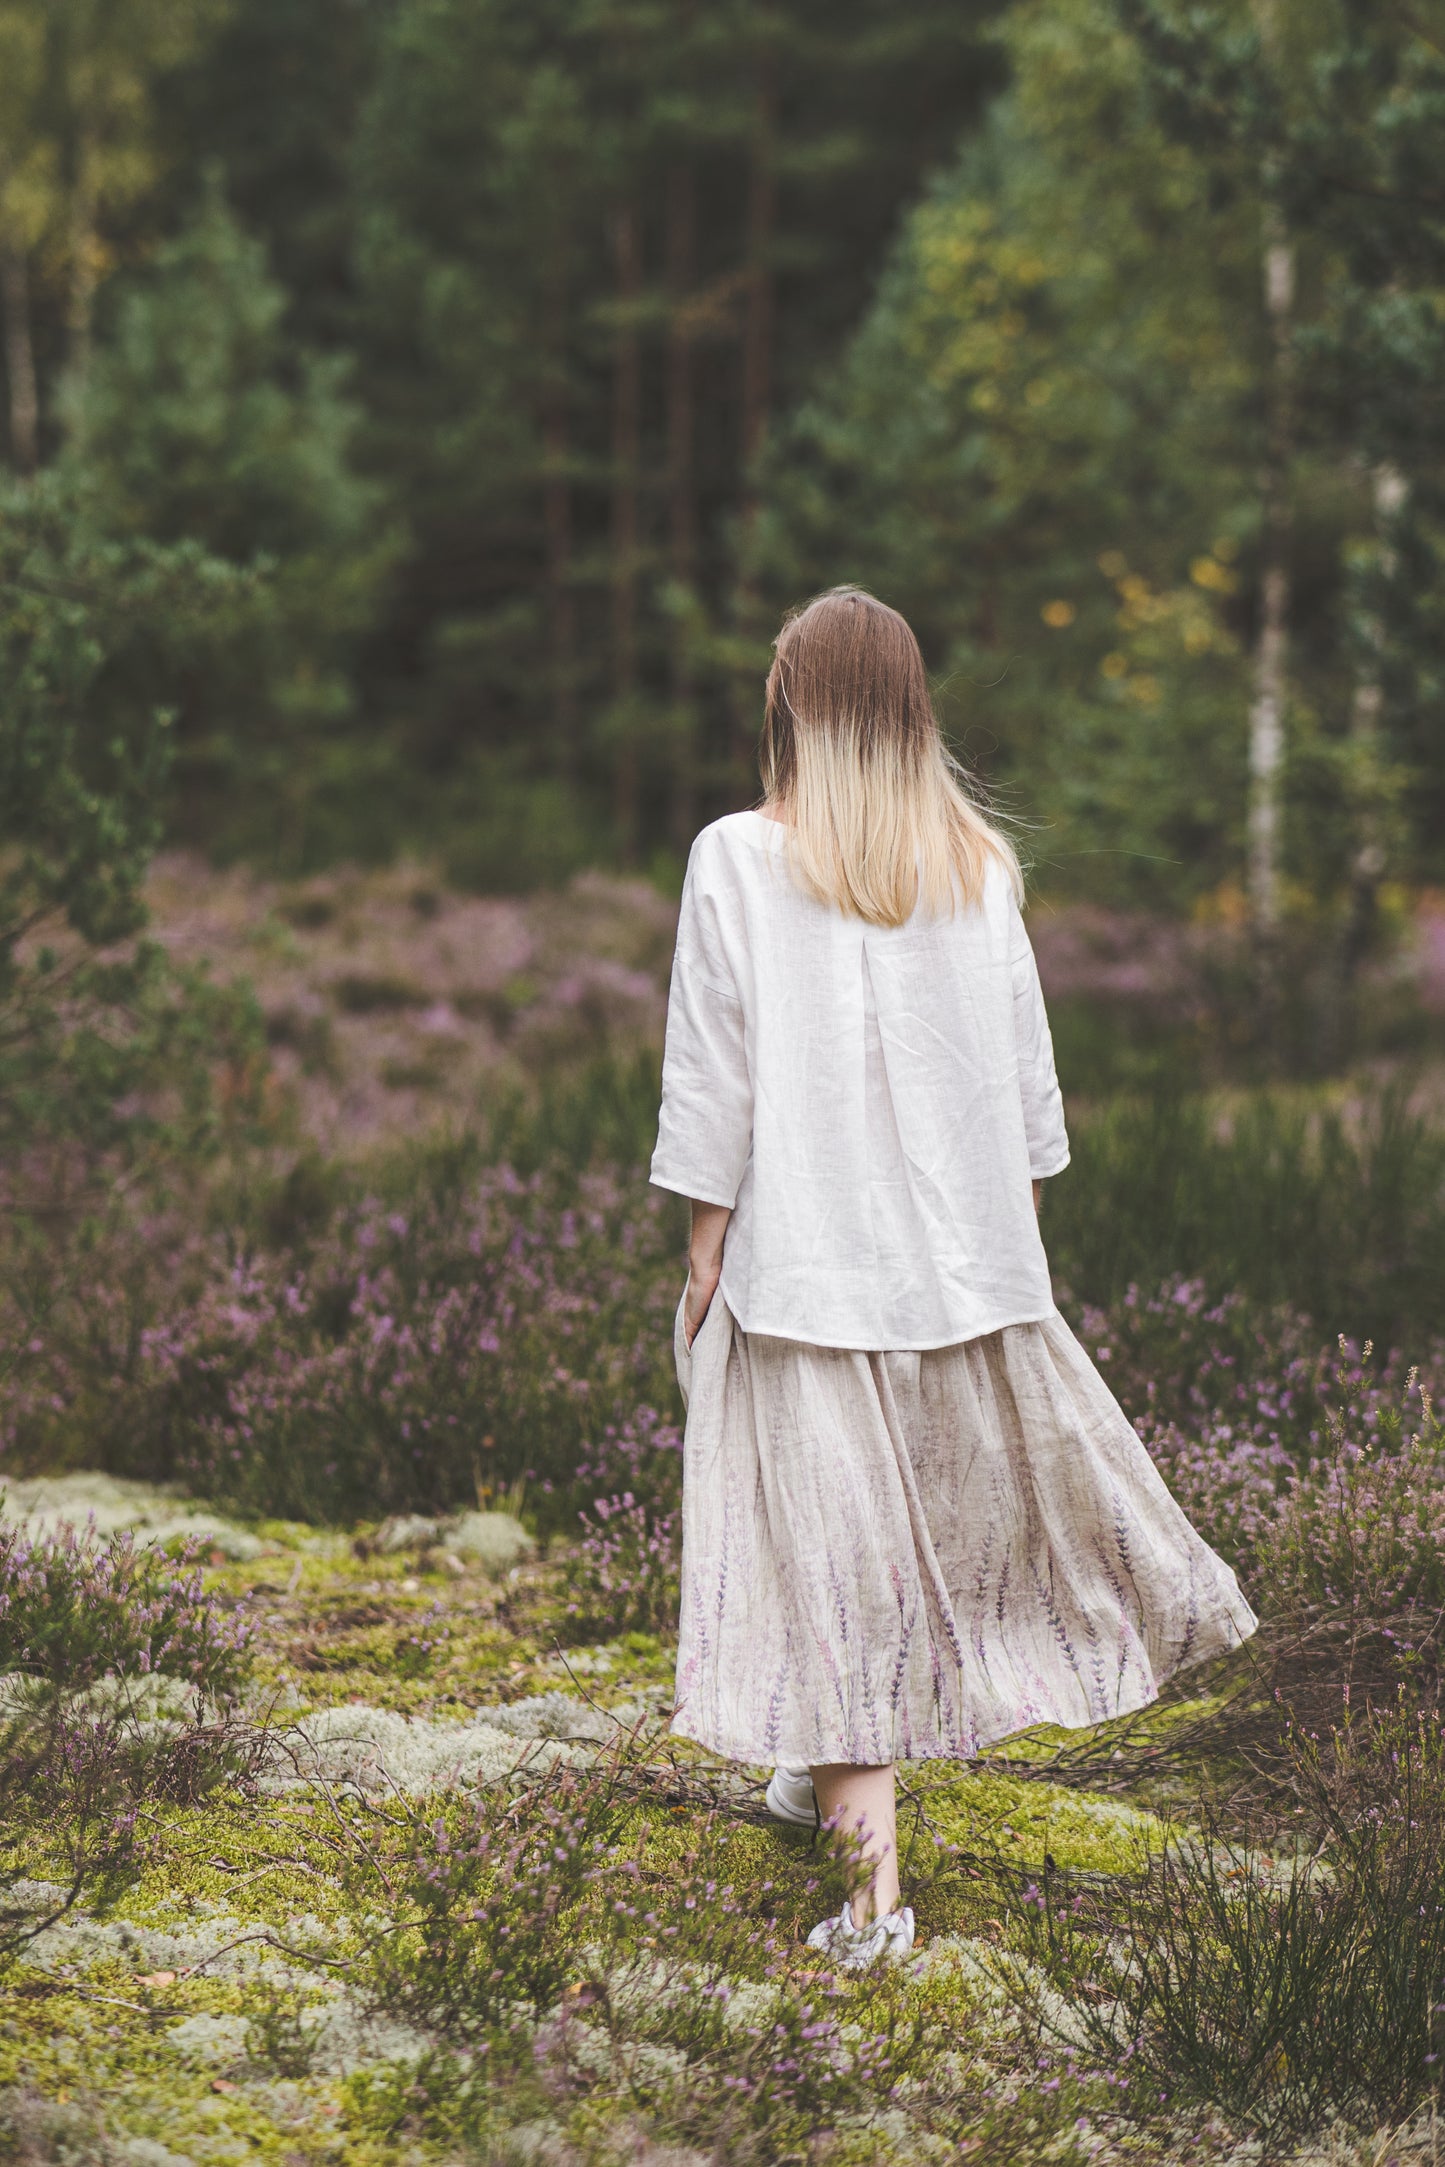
(449,396)
(416,417)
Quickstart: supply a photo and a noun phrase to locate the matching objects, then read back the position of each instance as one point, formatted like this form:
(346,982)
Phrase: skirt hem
(768,1756)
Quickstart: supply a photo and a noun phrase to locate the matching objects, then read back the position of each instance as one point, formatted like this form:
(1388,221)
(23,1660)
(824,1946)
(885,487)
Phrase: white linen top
(871,1101)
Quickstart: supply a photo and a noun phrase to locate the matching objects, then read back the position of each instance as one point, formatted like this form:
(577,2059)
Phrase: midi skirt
(909,1556)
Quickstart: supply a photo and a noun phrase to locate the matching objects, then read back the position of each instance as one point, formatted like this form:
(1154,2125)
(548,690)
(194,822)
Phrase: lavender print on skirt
(908,1556)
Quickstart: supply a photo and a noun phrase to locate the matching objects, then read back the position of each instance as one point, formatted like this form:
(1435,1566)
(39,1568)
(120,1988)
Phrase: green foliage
(201,423)
(544,353)
(1334,116)
(506,831)
(1043,444)
(107,1053)
(606,1113)
(1040,447)
(552,205)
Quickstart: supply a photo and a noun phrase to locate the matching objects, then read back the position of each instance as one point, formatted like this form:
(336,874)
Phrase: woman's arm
(1043,1107)
(704,1262)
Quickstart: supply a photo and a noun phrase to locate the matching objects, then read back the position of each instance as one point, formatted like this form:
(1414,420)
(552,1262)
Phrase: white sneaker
(853,1948)
(790,1797)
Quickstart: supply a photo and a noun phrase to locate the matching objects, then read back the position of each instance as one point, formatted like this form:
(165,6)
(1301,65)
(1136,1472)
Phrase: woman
(914,1517)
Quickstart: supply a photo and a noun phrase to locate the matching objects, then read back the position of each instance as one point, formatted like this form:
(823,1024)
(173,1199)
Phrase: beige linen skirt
(908,1556)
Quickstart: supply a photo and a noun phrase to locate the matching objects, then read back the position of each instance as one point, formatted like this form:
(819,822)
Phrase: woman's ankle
(858,1804)
(875,1899)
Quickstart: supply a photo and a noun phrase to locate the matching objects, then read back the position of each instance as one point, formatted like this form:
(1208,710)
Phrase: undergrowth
(1247,1933)
(1277,1982)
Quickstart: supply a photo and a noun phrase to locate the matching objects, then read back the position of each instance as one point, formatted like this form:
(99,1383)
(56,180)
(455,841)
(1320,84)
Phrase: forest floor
(227,2004)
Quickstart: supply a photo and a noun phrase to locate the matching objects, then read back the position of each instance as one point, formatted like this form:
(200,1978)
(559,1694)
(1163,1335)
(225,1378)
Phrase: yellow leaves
(1143,686)
(1216,578)
(971,320)
(1160,627)
(1226,905)
(1060,615)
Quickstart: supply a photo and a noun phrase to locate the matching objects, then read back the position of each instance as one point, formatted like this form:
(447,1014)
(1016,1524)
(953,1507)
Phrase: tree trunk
(1271,655)
(757,386)
(1368,808)
(19,359)
(557,508)
(757,378)
(626,431)
(84,267)
(681,498)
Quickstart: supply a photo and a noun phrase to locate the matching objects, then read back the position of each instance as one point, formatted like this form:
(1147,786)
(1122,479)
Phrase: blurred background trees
(518,365)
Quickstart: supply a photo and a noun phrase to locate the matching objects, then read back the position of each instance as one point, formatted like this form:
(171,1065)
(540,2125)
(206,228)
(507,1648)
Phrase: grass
(1338,1210)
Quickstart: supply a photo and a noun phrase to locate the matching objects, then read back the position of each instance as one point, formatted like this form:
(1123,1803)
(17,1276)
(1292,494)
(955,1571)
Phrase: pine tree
(202,424)
(601,247)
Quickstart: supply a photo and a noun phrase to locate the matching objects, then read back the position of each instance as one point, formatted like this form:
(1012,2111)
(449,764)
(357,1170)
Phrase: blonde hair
(880,815)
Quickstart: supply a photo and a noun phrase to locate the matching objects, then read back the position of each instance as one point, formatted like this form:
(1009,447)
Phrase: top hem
(1047,1172)
(892,1346)
(698,1193)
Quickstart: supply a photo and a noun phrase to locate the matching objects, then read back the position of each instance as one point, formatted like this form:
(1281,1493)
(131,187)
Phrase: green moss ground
(140,2020)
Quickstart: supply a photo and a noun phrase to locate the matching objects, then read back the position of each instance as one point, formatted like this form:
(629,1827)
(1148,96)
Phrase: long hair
(879,813)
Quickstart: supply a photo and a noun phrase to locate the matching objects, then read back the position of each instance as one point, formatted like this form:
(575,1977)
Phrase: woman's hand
(704,1263)
(1038,1197)
(700,1291)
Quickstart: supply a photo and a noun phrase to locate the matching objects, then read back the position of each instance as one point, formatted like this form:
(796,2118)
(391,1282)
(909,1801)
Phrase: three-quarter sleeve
(1043,1103)
(705,1128)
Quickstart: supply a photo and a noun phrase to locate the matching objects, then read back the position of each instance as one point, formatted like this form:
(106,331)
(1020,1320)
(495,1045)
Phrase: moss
(1027,1822)
(108,2018)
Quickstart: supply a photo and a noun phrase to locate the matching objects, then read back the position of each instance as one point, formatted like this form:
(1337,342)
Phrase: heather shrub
(573,1929)
(1360,1532)
(80,1779)
(1269,1984)
(74,1610)
(402,1360)
(96,1639)
(1239,1405)
(462,1329)
(625,1573)
(72,1771)
(485,1903)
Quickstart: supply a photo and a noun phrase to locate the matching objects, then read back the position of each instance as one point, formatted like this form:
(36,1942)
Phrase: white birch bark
(1270,688)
